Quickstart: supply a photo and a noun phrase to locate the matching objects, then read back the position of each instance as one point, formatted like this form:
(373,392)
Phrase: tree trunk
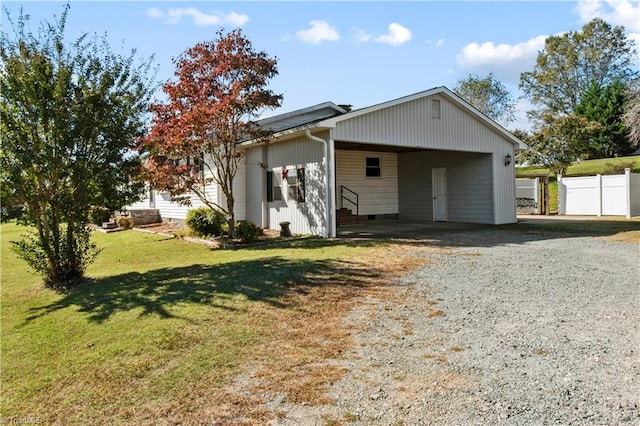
(231,215)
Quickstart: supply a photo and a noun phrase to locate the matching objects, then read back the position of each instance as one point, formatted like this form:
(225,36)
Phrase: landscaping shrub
(617,168)
(247,232)
(65,268)
(98,215)
(204,221)
(125,222)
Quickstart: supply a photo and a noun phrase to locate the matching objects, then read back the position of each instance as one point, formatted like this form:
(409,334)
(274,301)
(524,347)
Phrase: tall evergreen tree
(605,105)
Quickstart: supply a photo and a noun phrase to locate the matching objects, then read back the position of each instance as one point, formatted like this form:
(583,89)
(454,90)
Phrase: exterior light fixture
(507,160)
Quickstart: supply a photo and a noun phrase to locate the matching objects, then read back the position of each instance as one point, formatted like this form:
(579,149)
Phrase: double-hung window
(290,183)
(372,167)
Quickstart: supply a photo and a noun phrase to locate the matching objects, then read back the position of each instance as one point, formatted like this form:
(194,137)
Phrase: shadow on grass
(159,291)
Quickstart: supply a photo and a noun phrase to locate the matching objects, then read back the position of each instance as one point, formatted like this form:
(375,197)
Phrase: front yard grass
(164,329)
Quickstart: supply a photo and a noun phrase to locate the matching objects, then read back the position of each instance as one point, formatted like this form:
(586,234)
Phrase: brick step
(109,225)
(346,217)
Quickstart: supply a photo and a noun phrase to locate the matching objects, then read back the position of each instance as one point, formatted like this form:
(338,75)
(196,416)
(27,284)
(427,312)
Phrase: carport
(426,157)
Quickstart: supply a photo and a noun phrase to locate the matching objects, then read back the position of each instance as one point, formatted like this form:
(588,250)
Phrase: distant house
(429,156)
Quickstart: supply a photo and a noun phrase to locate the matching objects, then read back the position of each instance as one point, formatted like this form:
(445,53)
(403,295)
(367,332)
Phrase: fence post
(599,185)
(627,188)
(562,197)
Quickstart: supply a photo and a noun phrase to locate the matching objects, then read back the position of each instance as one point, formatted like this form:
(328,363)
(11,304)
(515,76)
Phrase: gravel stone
(536,329)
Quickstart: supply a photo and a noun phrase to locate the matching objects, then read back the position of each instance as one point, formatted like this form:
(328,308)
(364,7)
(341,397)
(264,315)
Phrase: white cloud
(617,12)
(438,43)
(360,36)
(505,60)
(319,32)
(200,19)
(396,36)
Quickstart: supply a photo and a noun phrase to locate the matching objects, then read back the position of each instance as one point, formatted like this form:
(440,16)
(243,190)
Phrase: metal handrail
(344,197)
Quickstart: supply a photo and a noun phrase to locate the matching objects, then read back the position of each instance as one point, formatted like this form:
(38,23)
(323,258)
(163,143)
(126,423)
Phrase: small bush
(125,222)
(98,215)
(64,268)
(204,221)
(247,232)
(617,168)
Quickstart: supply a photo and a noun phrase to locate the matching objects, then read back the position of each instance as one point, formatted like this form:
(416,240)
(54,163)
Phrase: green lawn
(588,167)
(164,325)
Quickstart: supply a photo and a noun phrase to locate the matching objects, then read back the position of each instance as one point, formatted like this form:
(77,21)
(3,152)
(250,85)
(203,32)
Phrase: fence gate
(532,194)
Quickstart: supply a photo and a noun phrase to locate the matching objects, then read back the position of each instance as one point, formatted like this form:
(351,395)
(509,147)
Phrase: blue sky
(358,53)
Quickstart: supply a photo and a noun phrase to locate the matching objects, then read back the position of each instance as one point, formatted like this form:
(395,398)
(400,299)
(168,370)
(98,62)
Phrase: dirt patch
(294,365)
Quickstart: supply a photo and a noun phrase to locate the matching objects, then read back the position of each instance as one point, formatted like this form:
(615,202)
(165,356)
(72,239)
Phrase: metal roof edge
(300,111)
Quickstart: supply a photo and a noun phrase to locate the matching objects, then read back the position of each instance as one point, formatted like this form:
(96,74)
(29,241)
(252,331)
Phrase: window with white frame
(289,182)
(274,187)
(295,186)
(372,167)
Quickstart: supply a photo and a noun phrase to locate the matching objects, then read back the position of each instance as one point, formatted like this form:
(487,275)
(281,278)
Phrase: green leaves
(572,61)
(576,87)
(70,117)
(489,96)
(605,105)
(221,88)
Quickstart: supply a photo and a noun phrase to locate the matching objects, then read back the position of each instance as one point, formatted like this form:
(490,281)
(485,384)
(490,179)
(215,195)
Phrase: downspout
(327,231)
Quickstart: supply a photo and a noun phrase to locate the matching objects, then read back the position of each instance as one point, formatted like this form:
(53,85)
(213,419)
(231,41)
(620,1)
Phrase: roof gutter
(327,231)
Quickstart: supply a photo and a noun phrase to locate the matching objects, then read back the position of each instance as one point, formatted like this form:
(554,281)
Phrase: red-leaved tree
(193,145)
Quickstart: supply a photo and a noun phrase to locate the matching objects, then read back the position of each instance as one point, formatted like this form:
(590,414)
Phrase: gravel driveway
(505,328)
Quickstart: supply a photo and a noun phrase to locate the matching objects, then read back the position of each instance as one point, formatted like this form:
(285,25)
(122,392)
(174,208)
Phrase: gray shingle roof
(301,117)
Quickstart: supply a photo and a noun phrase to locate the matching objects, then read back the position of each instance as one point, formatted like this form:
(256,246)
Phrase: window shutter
(301,186)
(269,187)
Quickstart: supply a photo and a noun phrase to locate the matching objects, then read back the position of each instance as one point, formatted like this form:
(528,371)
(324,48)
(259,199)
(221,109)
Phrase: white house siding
(377,196)
(469,185)
(170,210)
(144,203)
(255,186)
(306,217)
(411,124)
(239,193)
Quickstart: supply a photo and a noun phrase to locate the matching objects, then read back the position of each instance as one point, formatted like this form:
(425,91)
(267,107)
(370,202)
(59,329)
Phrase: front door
(439,179)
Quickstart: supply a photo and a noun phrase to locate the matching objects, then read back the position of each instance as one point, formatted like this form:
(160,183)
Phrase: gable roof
(301,117)
(443,91)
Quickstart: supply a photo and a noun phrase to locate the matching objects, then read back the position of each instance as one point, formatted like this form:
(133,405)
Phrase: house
(429,156)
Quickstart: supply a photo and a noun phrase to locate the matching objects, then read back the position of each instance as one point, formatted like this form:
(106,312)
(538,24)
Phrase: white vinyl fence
(616,195)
